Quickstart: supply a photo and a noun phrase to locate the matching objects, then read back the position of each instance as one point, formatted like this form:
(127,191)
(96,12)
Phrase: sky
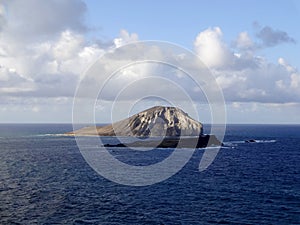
(251,48)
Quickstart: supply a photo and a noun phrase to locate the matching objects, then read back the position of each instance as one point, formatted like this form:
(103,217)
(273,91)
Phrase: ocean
(44,179)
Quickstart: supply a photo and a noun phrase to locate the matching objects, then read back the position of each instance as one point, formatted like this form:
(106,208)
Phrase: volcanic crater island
(170,127)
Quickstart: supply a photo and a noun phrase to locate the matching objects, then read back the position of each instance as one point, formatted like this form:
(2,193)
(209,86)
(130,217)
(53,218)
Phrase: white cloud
(284,63)
(34,20)
(243,41)
(125,38)
(211,49)
(43,49)
(229,81)
(52,67)
(292,83)
(246,76)
(68,45)
(266,113)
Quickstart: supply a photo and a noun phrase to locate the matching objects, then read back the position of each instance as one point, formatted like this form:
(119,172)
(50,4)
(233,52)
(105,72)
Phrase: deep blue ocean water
(45,180)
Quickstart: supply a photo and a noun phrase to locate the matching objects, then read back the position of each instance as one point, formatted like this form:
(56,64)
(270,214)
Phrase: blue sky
(251,47)
(181,21)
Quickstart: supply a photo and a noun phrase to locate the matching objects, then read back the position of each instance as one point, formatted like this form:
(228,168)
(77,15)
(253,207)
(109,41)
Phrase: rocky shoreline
(202,141)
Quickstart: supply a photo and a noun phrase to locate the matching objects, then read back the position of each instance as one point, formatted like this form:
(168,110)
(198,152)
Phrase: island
(175,127)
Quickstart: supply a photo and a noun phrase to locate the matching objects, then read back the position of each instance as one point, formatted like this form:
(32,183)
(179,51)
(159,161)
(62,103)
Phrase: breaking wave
(250,141)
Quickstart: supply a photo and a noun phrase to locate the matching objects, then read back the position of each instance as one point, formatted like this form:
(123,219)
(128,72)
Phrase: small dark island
(202,141)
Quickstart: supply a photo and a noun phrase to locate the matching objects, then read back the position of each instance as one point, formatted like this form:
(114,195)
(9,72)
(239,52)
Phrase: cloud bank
(44,50)
(243,74)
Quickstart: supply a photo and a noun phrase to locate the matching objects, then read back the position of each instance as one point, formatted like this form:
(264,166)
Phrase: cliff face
(156,121)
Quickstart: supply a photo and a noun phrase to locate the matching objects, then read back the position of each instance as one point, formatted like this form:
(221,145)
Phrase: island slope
(156,121)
